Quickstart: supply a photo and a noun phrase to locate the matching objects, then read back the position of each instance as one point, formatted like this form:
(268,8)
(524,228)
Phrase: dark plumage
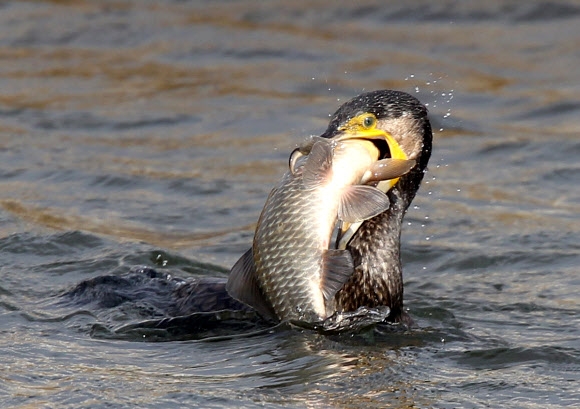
(376,247)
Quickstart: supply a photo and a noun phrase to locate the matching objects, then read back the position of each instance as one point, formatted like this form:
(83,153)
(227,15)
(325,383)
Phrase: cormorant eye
(369,121)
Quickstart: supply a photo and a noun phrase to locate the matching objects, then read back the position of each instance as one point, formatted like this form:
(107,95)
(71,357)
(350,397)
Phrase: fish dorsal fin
(338,267)
(389,168)
(243,286)
(318,165)
(361,202)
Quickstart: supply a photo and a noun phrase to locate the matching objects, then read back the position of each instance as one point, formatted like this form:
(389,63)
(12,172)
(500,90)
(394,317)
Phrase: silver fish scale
(288,250)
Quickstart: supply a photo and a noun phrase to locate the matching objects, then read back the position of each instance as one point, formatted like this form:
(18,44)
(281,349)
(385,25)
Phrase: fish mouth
(384,142)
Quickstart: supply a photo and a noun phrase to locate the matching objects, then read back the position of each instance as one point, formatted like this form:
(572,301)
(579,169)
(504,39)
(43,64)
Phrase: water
(150,133)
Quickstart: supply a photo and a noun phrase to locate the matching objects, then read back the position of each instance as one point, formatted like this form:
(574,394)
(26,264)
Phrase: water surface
(150,133)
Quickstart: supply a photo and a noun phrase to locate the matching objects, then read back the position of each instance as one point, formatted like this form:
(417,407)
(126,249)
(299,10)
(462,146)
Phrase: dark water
(150,133)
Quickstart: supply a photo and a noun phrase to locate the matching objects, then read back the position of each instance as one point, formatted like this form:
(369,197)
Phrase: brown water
(150,132)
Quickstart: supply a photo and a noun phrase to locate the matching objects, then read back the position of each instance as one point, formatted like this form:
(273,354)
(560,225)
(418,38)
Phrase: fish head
(363,131)
(402,118)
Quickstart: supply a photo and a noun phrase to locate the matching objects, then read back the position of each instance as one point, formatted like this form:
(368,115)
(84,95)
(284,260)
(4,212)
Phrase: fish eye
(369,121)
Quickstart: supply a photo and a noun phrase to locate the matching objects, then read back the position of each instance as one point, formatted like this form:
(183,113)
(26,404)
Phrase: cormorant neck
(375,249)
(376,252)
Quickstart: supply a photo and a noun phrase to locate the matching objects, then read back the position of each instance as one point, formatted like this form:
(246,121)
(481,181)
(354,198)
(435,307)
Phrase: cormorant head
(401,116)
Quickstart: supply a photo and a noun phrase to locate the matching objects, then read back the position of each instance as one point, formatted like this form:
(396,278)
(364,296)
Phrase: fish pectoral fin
(306,146)
(386,169)
(338,267)
(301,151)
(293,160)
(318,165)
(361,202)
(243,286)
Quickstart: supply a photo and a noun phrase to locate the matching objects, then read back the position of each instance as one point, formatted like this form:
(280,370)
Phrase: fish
(292,272)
